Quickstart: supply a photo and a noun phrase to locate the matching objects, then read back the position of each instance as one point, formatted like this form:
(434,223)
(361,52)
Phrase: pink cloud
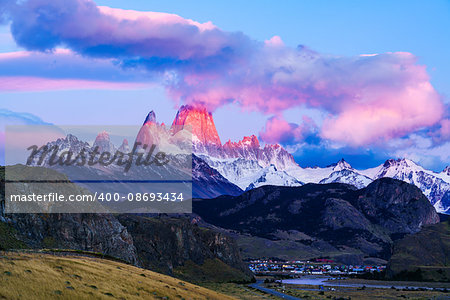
(278,130)
(33,84)
(161,18)
(274,41)
(110,32)
(64,69)
(14,55)
(369,98)
(385,114)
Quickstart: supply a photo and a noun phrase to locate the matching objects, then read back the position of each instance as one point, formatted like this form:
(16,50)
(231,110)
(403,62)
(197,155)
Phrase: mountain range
(234,167)
(334,220)
(248,165)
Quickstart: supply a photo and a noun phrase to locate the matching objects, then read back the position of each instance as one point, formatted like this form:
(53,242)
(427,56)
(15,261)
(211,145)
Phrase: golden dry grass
(45,276)
(240,291)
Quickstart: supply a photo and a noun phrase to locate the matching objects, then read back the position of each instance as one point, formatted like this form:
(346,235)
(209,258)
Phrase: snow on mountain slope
(316,174)
(276,155)
(400,169)
(249,173)
(371,172)
(443,205)
(124,148)
(249,148)
(445,174)
(246,148)
(68,144)
(238,171)
(433,185)
(206,141)
(403,169)
(348,176)
(271,176)
(244,162)
(309,175)
(208,183)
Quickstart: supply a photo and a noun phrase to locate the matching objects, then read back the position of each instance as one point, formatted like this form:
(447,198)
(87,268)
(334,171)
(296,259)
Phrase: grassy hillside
(209,272)
(45,276)
(423,256)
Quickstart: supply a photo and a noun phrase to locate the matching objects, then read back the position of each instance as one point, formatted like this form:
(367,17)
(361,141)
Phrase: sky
(299,73)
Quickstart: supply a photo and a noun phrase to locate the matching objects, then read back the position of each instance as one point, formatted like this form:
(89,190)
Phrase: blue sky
(340,28)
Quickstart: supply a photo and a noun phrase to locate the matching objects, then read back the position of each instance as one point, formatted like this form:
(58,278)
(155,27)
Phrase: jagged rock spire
(200,122)
(151,118)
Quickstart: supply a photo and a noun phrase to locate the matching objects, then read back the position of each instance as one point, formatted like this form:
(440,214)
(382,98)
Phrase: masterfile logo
(92,169)
(145,157)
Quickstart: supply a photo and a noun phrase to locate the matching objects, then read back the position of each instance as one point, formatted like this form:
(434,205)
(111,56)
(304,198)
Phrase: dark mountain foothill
(334,220)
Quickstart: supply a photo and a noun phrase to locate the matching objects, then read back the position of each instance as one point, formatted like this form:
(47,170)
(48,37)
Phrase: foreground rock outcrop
(166,244)
(88,232)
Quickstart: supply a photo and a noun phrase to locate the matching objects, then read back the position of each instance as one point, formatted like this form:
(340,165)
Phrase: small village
(314,267)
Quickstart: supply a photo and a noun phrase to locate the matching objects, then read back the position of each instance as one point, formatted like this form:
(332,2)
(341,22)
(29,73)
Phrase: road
(258,286)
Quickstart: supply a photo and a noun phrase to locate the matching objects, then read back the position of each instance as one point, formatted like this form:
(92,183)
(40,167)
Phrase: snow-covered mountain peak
(247,143)
(271,176)
(341,165)
(124,148)
(399,169)
(273,146)
(70,142)
(102,136)
(103,142)
(277,156)
(401,162)
(70,138)
(250,141)
(206,141)
(348,176)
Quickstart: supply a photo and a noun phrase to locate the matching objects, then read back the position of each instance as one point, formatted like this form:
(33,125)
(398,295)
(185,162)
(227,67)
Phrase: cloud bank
(368,99)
